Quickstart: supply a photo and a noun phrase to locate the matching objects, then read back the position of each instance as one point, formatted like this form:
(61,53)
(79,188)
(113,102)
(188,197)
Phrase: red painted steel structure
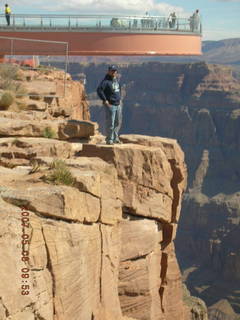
(106,43)
(100,35)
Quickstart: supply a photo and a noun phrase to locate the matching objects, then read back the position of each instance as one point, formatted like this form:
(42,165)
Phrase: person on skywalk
(7,14)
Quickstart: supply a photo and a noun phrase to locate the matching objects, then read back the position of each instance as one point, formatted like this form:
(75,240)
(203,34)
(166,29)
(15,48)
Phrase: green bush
(6,99)
(58,163)
(60,174)
(49,133)
(16,87)
(10,75)
(9,71)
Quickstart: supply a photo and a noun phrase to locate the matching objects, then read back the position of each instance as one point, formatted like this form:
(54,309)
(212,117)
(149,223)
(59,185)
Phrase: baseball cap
(112,68)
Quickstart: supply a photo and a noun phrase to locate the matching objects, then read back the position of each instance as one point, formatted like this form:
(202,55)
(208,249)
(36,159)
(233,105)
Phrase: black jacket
(109,90)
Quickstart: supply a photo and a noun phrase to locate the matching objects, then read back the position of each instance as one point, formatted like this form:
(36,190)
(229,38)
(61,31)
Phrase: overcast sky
(220,17)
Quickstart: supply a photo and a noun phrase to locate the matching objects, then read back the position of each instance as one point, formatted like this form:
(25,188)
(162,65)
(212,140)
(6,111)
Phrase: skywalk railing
(40,82)
(100,23)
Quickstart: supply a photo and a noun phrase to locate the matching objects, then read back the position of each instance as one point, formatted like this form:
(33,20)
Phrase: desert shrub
(49,133)
(6,99)
(19,89)
(60,174)
(9,71)
(58,163)
(9,75)
(35,166)
(6,84)
(15,87)
(20,75)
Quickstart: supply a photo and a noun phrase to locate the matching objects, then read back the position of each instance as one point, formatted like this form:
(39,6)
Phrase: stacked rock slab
(152,174)
(102,249)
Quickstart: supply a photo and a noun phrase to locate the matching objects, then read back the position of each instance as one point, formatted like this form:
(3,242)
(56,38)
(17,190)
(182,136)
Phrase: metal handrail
(137,23)
(33,15)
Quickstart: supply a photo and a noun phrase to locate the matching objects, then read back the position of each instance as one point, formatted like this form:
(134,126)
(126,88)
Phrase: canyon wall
(199,105)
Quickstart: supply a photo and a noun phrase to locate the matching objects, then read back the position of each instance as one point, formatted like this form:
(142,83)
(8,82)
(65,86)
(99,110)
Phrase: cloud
(105,6)
(212,34)
(227,1)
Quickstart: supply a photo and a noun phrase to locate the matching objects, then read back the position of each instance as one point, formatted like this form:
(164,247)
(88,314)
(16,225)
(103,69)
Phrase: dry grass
(10,79)
(60,174)
(49,133)
(6,99)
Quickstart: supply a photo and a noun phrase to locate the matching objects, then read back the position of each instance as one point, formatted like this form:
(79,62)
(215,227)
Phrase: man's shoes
(113,142)
(118,141)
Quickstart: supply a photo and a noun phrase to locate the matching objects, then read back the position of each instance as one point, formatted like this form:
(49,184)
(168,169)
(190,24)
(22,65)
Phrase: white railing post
(11,48)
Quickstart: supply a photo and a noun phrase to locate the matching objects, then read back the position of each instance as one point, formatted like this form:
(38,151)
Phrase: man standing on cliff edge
(109,91)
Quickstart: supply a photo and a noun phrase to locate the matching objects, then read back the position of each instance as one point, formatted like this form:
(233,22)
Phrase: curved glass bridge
(104,34)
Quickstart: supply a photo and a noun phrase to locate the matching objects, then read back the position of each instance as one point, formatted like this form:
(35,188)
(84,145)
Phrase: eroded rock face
(213,243)
(21,151)
(96,251)
(199,105)
(49,94)
(197,307)
(222,310)
(60,129)
(149,278)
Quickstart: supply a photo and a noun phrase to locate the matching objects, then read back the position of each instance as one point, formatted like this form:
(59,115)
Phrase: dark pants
(113,122)
(8,19)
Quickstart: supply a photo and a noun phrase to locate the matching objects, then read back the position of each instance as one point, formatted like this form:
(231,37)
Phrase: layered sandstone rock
(21,151)
(102,249)
(149,278)
(60,129)
(48,94)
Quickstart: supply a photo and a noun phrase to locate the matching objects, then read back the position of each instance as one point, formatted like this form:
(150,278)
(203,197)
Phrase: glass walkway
(99,23)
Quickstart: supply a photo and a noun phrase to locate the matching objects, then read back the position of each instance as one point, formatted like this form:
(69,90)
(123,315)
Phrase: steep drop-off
(199,105)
